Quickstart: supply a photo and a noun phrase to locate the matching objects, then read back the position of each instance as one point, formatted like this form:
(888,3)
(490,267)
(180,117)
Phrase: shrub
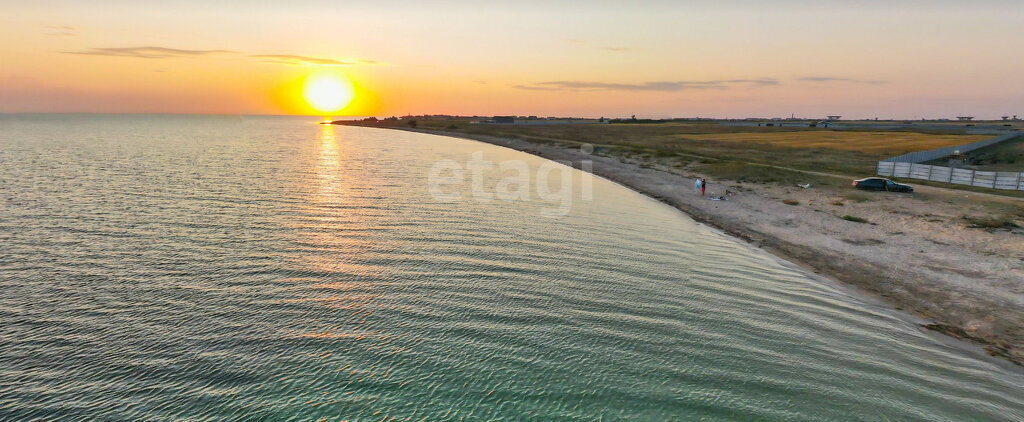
(989,222)
(854,219)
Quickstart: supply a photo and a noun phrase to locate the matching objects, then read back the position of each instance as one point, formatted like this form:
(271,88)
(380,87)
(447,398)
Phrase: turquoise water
(170,267)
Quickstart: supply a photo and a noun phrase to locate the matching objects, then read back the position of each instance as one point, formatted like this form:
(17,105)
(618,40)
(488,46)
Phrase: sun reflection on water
(328,171)
(335,229)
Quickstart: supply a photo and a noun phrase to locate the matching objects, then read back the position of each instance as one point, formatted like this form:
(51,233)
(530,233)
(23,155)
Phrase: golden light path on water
(333,212)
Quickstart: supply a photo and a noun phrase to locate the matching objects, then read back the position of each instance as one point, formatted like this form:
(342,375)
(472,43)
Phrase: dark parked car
(879,183)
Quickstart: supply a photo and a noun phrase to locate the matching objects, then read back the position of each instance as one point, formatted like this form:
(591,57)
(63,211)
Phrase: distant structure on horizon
(504,119)
(965,118)
(834,117)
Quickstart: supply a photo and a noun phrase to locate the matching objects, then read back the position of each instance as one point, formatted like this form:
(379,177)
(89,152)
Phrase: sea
(174,267)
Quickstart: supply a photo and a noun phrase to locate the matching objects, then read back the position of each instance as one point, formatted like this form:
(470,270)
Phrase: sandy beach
(911,252)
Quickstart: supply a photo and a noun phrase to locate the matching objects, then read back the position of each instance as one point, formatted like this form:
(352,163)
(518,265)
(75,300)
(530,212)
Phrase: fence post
(972,177)
(951,174)
(930,170)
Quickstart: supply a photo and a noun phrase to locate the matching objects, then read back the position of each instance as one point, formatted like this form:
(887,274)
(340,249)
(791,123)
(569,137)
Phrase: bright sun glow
(328,93)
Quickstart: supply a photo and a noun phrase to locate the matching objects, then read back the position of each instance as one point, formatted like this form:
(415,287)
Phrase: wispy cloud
(305,61)
(147,52)
(535,88)
(832,79)
(670,86)
(60,30)
(656,86)
(151,52)
(761,81)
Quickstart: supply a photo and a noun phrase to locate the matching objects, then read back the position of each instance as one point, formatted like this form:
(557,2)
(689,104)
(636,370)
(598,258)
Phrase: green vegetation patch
(990,222)
(1004,156)
(854,219)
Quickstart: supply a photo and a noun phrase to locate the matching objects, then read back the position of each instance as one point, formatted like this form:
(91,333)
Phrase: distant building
(965,118)
(504,119)
(834,117)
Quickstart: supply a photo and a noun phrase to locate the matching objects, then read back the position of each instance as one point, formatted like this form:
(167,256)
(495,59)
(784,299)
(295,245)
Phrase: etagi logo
(447,180)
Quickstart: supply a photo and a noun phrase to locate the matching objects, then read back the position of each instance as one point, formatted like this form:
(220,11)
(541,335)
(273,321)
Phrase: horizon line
(381,116)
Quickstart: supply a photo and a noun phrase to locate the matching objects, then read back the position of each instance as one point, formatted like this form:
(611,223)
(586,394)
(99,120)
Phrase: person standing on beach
(696,184)
(703,186)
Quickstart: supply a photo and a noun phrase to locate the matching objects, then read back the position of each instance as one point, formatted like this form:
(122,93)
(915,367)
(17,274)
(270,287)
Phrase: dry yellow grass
(895,143)
(851,153)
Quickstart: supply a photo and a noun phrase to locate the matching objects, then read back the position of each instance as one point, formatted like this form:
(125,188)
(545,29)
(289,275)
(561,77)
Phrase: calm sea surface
(171,267)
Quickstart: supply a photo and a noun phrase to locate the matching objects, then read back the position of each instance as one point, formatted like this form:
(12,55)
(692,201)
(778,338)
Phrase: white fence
(907,165)
(985,179)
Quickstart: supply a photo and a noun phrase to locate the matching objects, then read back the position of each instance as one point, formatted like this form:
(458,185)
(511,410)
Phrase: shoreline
(899,288)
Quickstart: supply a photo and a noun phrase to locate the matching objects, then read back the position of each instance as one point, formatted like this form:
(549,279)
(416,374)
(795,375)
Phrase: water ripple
(166,267)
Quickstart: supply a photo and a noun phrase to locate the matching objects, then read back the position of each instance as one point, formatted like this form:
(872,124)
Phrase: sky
(728,59)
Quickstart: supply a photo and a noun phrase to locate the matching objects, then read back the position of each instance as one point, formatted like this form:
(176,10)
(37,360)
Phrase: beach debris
(805,186)
(718,198)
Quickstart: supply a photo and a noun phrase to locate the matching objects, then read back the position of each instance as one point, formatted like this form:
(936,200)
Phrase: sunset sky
(860,59)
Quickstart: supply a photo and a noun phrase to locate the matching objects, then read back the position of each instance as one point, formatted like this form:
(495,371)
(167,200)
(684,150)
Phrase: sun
(328,93)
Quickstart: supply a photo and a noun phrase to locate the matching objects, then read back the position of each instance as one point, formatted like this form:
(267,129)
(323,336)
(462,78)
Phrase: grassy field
(883,143)
(849,153)
(742,153)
